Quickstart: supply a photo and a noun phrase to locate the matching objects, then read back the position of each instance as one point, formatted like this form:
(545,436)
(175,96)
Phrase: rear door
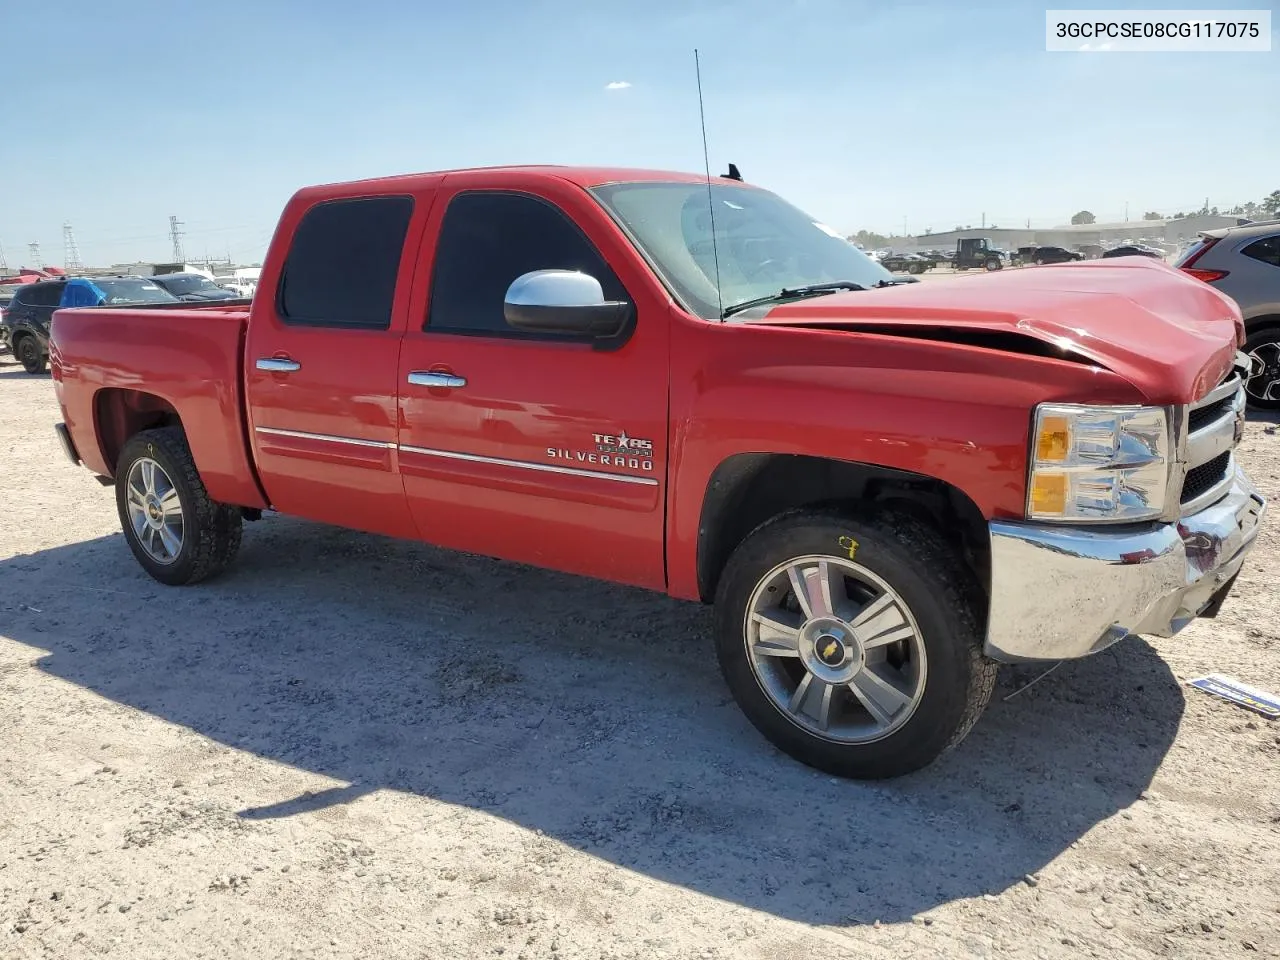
(39,301)
(321,360)
(533,447)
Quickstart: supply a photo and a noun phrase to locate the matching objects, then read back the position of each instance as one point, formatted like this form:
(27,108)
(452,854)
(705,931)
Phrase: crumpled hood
(1170,335)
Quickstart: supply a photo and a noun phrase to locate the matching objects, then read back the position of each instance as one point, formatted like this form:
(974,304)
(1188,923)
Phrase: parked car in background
(231,285)
(975,253)
(1134,250)
(193,287)
(1244,263)
(26,322)
(907,263)
(1043,255)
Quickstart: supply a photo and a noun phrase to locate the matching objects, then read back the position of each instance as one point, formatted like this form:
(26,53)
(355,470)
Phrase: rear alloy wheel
(30,355)
(155,511)
(176,531)
(1263,385)
(852,644)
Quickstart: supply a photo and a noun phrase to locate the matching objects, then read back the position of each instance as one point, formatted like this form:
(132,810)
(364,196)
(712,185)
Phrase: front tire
(29,354)
(176,531)
(852,644)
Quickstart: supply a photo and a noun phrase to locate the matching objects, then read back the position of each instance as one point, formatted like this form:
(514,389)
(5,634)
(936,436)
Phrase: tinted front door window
(487,240)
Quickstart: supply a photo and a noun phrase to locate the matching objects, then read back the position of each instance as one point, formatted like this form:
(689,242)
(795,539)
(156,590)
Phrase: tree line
(1265,209)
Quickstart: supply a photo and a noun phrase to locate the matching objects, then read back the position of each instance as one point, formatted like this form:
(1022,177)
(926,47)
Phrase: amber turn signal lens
(1054,440)
(1049,493)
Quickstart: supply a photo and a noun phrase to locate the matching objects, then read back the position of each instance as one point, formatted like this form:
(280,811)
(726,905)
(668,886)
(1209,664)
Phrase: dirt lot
(352,747)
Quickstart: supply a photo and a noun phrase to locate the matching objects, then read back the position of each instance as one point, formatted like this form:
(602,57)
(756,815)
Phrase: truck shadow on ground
(591,712)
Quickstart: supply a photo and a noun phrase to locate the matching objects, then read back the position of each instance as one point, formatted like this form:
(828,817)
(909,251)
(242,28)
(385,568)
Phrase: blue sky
(861,113)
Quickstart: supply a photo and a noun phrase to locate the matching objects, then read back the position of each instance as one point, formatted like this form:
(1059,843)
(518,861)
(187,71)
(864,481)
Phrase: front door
(533,448)
(322,354)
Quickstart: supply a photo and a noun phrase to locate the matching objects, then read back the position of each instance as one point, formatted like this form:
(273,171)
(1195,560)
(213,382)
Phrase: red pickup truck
(885,487)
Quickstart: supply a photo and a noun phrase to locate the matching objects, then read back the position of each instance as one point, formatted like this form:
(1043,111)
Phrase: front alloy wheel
(853,642)
(835,648)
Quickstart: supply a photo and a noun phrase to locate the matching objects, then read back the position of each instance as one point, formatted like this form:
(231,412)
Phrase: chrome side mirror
(563,301)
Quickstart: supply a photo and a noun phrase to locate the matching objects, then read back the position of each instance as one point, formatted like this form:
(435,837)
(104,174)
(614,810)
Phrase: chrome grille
(1210,431)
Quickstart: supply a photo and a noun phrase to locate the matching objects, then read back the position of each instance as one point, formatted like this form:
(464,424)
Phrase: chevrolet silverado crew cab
(691,386)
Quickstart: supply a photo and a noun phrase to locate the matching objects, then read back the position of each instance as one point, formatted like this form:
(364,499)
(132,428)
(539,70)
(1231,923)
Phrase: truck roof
(582,176)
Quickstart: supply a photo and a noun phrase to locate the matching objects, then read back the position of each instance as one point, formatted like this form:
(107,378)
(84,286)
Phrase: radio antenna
(706,159)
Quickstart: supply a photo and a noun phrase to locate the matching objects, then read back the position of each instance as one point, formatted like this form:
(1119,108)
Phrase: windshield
(188,283)
(763,244)
(132,291)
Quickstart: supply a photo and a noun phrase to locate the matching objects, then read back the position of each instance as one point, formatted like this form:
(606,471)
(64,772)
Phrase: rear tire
(27,351)
(940,680)
(176,531)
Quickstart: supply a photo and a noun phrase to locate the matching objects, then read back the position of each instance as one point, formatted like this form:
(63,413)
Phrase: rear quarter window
(1267,250)
(41,295)
(1193,250)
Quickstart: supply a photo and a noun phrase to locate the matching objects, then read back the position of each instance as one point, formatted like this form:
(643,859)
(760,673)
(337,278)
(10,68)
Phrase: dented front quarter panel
(956,412)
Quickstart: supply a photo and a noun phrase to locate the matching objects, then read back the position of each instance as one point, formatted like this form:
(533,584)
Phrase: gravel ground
(355,747)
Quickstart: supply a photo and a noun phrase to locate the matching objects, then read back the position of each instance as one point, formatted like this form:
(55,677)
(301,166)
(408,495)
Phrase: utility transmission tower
(34,247)
(4,264)
(176,235)
(70,252)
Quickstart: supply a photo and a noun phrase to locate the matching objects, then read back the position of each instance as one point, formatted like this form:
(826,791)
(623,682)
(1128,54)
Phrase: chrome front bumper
(1058,593)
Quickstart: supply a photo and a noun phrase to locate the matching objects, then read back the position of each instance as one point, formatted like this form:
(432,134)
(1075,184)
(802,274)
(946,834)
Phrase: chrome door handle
(425,378)
(278,365)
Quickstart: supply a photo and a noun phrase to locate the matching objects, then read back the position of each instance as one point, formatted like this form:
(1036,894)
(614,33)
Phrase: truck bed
(116,365)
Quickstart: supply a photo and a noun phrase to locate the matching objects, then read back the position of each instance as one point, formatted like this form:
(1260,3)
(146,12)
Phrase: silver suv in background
(1244,263)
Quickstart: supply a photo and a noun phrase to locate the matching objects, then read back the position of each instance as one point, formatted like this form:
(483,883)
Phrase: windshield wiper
(792,293)
(896,281)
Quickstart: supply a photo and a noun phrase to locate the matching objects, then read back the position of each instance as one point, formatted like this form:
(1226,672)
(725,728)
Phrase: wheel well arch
(119,413)
(748,489)
(1266,321)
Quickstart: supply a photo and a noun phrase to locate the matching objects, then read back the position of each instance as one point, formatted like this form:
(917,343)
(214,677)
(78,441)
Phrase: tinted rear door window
(342,267)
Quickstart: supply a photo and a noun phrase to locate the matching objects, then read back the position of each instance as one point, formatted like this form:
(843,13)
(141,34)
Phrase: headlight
(1098,464)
